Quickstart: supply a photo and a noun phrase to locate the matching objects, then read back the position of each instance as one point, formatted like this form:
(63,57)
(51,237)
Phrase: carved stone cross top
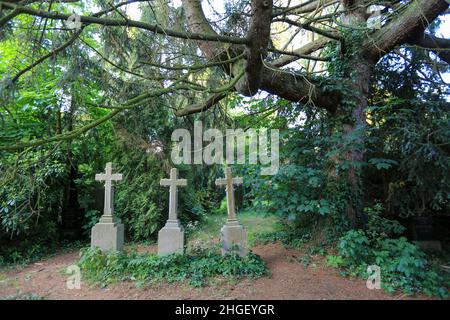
(108,177)
(228,182)
(173,183)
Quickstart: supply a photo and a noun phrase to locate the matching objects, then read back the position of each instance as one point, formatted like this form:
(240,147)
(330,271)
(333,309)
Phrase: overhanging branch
(126,23)
(48,55)
(65,45)
(292,87)
(413,20)
(302,52)
(307,26)
(132,103)
(9,16)
(202,106)
(440,46)
(299,88)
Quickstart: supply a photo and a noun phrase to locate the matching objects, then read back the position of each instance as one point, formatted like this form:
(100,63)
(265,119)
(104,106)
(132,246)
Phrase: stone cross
(228,182)
(173,183)
(108,177)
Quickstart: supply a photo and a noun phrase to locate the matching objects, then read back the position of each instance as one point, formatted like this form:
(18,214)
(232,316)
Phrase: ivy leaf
(382,164)
(324,210)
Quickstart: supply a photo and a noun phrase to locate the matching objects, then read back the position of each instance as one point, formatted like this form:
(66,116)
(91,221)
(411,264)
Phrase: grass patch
(255,224)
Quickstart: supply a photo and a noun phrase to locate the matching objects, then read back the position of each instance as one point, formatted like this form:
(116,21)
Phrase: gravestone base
(108,235)
(234,237)
(171,238)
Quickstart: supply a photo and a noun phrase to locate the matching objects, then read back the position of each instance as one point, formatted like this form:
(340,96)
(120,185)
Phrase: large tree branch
(65,45)
(305,7)
(414,20)
(305,50)
(256,50)
(440,46)
(8,17)
(132,103)
(307,26)
(295,88)
(126,23)
(198,23)
(202,106)
(33,1)
(60,137)
(298,88)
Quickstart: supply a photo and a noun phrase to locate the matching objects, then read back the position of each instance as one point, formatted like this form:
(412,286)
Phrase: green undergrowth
(403,265)
(29,252)
(195,267)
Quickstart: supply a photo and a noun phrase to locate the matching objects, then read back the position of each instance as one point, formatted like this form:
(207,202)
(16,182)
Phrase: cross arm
(221,182)
(117,176)
(238,180)
(100,176)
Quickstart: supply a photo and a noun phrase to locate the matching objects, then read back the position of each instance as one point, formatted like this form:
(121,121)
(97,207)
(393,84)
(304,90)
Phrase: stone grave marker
(171,236)
(108,233)
(232,233)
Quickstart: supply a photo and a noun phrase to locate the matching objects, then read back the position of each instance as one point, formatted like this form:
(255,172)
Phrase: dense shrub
(403,265)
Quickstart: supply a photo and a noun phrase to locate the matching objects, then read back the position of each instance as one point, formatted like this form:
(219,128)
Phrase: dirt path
(289,280)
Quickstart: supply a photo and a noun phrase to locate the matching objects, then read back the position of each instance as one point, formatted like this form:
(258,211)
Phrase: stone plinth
(108,235)
(234,237)
(171,238)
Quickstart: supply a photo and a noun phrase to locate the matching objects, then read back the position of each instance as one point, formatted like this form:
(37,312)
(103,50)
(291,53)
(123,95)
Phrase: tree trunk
(358,69)
(354,131)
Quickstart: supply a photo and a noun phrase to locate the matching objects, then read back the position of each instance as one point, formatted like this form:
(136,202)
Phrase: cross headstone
(232,233)
(108,234)
(108,177)
(171,236)
(229,182)
(173,183)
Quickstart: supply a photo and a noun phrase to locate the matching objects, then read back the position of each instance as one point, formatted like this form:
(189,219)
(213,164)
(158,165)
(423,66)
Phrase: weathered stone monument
(232,233)
(108,233)
(171,236)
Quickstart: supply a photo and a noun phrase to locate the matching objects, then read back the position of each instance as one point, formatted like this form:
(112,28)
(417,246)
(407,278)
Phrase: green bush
(403,265)
(91,218)
(30,195)
(195,267)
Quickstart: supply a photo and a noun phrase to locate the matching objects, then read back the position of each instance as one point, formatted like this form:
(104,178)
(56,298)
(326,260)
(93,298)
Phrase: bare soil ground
(289,280)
